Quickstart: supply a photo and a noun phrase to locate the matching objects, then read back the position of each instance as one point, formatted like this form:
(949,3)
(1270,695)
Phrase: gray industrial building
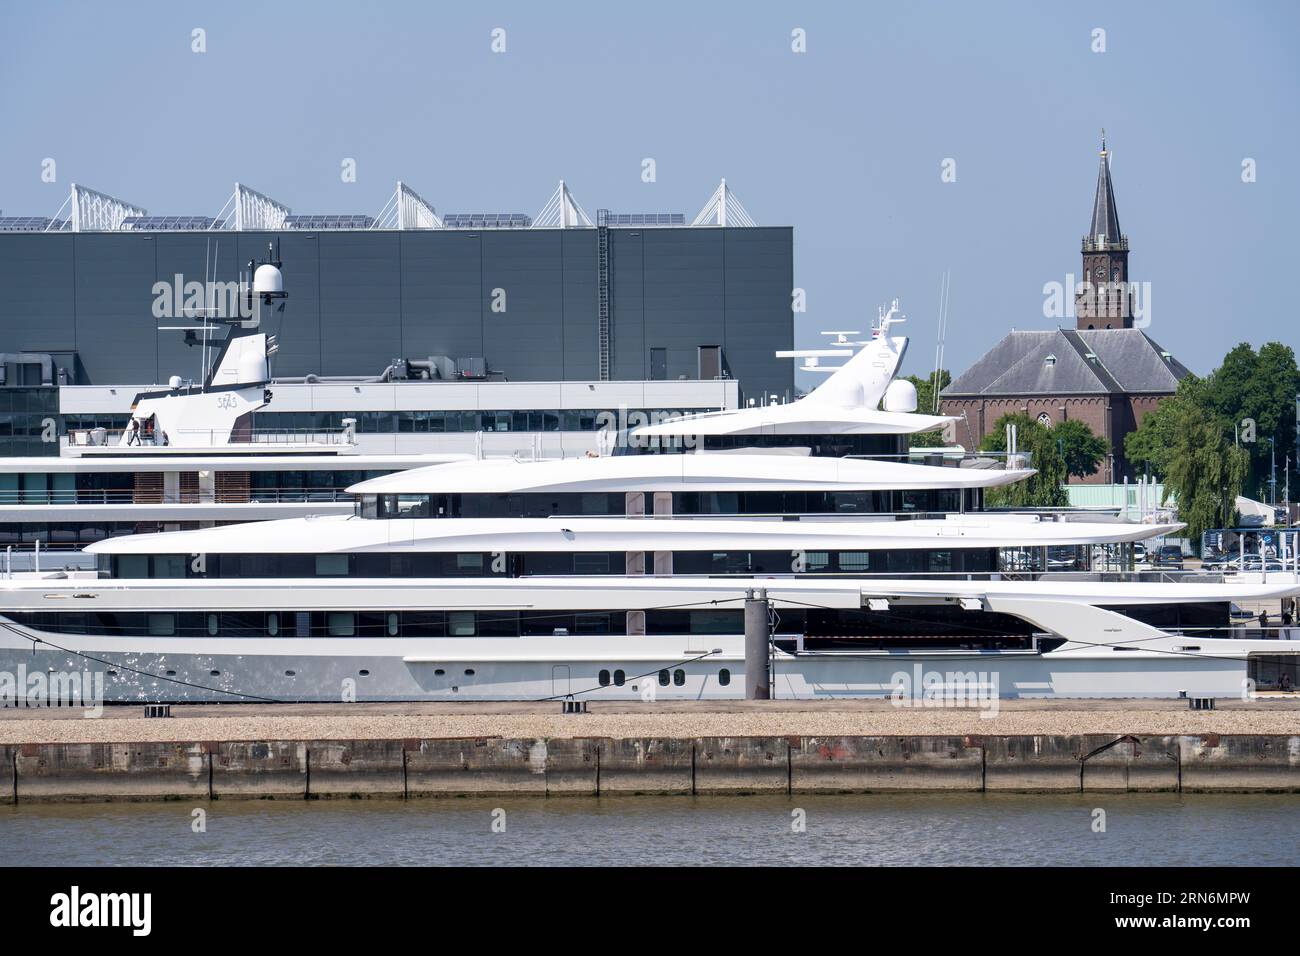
(621,298)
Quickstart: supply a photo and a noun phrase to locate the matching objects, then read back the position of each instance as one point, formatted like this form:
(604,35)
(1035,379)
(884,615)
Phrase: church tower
(1103,301)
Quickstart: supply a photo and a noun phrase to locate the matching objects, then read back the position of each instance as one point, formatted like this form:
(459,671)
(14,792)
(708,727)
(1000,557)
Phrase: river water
(930,829)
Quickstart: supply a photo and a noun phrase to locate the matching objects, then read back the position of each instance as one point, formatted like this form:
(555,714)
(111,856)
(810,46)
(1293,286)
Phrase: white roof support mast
(562,212)
(95,211)
(723,209)
(407,209)
(252,210)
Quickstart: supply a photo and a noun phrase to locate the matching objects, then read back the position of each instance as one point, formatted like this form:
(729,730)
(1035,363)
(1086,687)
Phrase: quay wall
(600,766)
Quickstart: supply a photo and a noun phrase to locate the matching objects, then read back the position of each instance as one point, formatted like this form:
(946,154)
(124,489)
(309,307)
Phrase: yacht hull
(649,669)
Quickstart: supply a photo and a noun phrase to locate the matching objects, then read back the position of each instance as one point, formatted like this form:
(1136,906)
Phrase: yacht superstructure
(190,455)
(624,576)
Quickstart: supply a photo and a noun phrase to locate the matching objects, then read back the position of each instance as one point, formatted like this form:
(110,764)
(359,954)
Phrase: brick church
(1104,372)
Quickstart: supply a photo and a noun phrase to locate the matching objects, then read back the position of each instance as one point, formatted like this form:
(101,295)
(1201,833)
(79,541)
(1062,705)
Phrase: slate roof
(1071,362)
(1105,216)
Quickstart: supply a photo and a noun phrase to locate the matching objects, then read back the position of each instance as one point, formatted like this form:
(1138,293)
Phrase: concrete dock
(209,752)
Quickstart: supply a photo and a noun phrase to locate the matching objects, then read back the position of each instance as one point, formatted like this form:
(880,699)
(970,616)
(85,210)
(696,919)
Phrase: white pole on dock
(756,645)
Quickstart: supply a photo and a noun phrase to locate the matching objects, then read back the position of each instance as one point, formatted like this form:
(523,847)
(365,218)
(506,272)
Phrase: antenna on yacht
(886,319)
(945,285)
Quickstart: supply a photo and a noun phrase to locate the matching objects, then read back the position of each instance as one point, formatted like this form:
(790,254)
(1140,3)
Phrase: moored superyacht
(625,575)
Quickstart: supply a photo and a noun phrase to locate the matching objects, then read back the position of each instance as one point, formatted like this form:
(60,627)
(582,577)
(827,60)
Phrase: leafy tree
(925,406)
(1205,469)
(1256,393)
(1190,446)
(1082,449)
(1045,488)
(1147,446)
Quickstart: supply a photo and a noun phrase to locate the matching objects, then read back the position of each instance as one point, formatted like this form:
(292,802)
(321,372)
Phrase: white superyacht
(624,576)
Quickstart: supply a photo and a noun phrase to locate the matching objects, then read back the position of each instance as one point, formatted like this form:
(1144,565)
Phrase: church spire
(1105,217)
(1103,299)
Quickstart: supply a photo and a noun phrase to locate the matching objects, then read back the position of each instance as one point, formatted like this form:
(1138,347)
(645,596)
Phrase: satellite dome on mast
(268,280)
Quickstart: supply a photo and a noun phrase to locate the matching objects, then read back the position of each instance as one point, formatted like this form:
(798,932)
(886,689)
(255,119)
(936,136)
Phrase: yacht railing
(126,496)
(991,460)
(210,438)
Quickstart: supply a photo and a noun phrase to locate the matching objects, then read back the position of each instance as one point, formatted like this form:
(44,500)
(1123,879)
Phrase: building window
(658,365)
(1045,419)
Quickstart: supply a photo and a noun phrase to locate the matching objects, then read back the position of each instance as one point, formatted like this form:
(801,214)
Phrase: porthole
(112,673)
(364,673)
(273,624)
(679,677)
(290,673)
(171,673)
(469,672)
(663,678)
(439,672)
(724,677)
(392,623)
(603,677)
(619,678)
(214,625)
(214,673)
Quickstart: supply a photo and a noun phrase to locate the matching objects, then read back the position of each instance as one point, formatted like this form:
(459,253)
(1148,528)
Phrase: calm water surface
(1141,829)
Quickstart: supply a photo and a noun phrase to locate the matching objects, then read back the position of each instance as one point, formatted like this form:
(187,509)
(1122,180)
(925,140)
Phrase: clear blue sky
(843,142)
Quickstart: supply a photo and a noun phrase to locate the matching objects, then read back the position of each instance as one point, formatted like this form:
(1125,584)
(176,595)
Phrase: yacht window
(469,562)
(715,622)
(815,560)
(341,624)
(412,506)
(591,563)
(133,566)
(273,624)
(724,677)
(663,678)
(391,623)
(604,678)
(369,506)
(460,623)
(855,560)
(679,677)
(619,678)
(168,565)
(214,625)
(162,625)
(331,565)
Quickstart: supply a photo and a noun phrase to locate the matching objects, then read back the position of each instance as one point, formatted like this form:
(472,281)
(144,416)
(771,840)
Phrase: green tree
(1189,444)
(1255,393)
(1147,446)
(1045,488)
(1205,469)
(1082,450)
(925,405)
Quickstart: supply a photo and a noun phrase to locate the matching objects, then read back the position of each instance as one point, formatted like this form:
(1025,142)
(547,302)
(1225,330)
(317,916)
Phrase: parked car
(1169,557)
(1253,563)
(1214,561)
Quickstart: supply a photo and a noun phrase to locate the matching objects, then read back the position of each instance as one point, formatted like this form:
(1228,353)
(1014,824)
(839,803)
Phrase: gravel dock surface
(121,724)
